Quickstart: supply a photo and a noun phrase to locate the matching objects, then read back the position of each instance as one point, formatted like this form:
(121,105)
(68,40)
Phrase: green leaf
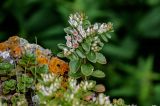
(101,58)
(42,69)
(73,56)
(103,36)
(87,69)
(61,46)
(60,54)
(108,35)
(5,91)
(29,56)
(74,65)
(80,53)
(98,74)
(91,56)
(86,46)
(22,62)
(75,75)
(9,85)
(86,24)
(4,72)
(68,30)
(5,66)
(89,40)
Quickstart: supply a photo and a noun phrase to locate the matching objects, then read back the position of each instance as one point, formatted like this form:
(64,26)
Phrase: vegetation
(31,75)
(132,72)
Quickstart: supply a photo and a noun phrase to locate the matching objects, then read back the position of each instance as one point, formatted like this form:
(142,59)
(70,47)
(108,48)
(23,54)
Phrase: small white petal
(95,27)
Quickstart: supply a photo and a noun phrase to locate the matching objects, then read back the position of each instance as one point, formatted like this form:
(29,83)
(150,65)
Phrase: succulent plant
(32,74)
(84,42)
(8,86)
(19,100)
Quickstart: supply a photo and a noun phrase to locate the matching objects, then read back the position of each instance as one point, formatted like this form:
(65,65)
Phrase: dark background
(133,53)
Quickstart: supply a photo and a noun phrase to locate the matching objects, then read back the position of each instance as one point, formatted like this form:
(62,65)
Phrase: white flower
(69,44)
(77,38)
(107,101)
(81,31)
(72,22)
(71,96)
(68,38)
(67,52)
(74,32)
(101,99)
(109,26)
(102,28)
(72,83)
(35,99)
(75,45)
(95,27)
(88,31)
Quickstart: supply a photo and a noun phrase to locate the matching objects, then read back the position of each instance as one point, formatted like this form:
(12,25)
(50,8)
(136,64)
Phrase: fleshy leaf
(103,36)
(91,56)
(68,30)
(60,54)
(75,75)
(74,65)
(86,46)
(5,66)
(98,74)
(61,46)
(73,56)
(80,53)
(101,58)
(87,69)
(108,35)
(42,69)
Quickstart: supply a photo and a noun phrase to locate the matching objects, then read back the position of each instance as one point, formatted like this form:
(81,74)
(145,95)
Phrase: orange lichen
(3,46)
(16,51)
(13,39)
(12,44)
(58,66)
(42,60)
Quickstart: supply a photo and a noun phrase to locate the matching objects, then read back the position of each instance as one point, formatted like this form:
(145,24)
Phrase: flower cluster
(102,100)
(81,29)
(69,97)
(83,44)
(51,83)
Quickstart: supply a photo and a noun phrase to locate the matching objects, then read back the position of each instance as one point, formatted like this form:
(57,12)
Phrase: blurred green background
(133,53)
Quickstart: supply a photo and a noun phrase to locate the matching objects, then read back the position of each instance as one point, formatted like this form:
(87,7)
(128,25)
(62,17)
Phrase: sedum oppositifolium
(84,42)
(31,75)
